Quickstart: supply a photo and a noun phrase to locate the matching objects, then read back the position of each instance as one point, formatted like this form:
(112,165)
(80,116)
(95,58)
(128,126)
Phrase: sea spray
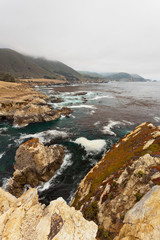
(91,145)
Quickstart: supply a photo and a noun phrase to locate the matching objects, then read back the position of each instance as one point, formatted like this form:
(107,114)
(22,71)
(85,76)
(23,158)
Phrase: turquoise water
(105,112)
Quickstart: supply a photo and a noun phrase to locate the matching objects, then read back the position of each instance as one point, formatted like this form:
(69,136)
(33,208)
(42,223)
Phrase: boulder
(143,220)
(25,219)
(34,163)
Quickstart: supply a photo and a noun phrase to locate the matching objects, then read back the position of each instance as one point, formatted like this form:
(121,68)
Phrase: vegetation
(91,212)
(22,66)
(140,174)
(118,158)
(138,196)
(7,77)
(102,234)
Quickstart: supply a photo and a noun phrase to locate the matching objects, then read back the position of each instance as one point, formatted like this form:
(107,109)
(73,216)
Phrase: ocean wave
(95,146)
(92,112)
(108,129)
(157,119)
(3,129)
(1,154)
(66,163)
(97,123)
(83,106)
(99,97)
(18,126)
(4,183)
(111,124)
(45,136)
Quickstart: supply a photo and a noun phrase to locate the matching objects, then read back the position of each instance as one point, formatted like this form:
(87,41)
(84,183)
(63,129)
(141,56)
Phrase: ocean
(102,114)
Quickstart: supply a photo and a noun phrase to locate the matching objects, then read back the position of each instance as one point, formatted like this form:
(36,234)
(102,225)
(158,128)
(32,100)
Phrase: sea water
(101,116)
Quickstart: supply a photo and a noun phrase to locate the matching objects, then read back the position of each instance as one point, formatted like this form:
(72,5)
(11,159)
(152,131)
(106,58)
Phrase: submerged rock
(120,179)
(143,220)
(25,219)
(30,110)
(34,163)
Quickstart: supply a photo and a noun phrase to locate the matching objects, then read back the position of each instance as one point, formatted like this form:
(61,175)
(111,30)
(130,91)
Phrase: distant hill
(56,67)
(112,76)
(19,65)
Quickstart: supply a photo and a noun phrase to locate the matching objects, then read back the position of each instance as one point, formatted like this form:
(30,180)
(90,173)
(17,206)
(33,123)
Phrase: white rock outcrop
(26,219)
(143,220)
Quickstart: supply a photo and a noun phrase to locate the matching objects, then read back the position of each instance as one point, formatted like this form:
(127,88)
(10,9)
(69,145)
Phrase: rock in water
(143,220)
(30,109)
(35,163)
(25,219)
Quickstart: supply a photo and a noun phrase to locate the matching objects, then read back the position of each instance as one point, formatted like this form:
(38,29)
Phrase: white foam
(66,162)
(99,97)
(157,119)
(111,124)
(1,155)
(4,183)
(83,106)
(45,136)
(97,123)
(18,126)
(92,112)
(91,145)
(128,122)
(3,129)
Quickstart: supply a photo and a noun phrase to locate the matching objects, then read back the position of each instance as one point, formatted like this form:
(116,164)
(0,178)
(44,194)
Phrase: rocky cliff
(26,219)
(143,220)
(30,109)
(34,163)
(120,179)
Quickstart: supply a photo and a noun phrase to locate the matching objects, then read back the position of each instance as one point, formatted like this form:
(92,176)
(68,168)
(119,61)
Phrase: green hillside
(56,67)
(19,65)
(105,77)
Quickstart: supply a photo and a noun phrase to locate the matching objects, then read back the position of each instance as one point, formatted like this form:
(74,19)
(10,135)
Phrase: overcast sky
(94,35)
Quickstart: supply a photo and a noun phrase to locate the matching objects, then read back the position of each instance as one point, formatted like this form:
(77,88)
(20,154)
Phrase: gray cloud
(96,35)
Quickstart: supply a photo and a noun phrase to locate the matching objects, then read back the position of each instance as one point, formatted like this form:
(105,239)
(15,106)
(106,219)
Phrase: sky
(89,35)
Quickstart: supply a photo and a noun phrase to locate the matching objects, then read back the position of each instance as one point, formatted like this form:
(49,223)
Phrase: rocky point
(34,164)
(25,218)
(120,179)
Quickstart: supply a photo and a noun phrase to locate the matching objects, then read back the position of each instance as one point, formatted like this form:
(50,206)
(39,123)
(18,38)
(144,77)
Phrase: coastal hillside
(112,76)
(119,180)
(22,66)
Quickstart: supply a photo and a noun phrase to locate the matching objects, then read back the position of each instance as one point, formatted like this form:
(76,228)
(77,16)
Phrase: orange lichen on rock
(119,156)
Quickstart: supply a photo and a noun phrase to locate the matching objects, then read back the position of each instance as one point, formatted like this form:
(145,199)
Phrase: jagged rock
(143,220)
(34,163)
(29,110)
(25,219)
(80,93)
(55,100)
(124,174)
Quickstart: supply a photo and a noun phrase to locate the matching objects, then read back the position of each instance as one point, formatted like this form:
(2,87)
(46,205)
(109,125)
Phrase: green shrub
(7,77)
(140,174)
(138,196)
(91,212)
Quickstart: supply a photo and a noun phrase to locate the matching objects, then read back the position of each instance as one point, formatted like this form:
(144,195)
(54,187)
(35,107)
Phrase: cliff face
(34,163)
(25,219)
(120,179)
(143,220)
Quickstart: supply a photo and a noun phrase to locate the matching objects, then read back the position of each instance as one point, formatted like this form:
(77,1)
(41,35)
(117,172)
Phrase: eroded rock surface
(125,173)
(34,163)
(30,109)
(26,219)
(143,220)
